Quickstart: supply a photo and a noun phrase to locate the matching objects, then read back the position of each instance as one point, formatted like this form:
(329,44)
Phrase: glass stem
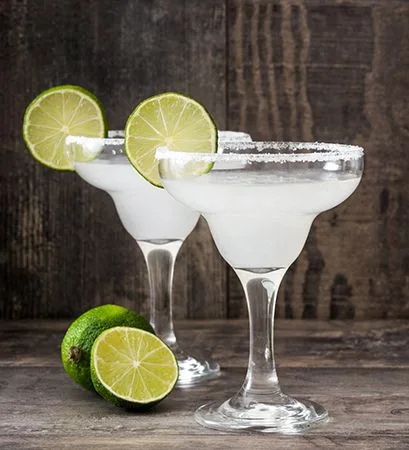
(261,288)
(160,258)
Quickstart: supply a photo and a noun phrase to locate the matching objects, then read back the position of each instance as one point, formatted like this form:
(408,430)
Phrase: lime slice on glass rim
(56,113)
(132,368)
(169,120)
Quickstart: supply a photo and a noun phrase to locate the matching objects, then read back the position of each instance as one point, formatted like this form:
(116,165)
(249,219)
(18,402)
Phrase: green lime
(56,113)
(167,120)
(77,343)
(132,368)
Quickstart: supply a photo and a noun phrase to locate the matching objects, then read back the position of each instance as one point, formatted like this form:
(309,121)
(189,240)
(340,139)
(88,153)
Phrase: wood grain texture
(298,343)
(331,70)
(62,246)
(357,370)
(206,277)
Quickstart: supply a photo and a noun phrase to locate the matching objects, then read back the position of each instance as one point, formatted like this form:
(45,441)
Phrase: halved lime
(169,120)
(132,368)
(80,336)
(56,113)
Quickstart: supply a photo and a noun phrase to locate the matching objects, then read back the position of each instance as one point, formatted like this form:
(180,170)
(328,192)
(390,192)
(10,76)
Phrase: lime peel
(77,342)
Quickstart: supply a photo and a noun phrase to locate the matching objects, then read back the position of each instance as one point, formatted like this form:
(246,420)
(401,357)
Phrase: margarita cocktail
(157,222)
(260,200)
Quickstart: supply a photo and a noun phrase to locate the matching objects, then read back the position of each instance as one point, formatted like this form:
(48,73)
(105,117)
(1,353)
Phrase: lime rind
(82,333)
(163,129)
(59,160)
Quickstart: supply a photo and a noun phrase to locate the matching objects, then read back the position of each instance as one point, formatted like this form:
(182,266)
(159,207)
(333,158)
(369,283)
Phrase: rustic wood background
(333,70)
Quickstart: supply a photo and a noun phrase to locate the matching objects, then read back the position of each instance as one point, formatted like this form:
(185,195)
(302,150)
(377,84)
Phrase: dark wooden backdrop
(332,70)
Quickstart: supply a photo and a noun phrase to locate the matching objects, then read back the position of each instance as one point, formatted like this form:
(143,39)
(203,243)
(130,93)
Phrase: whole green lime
(77,342)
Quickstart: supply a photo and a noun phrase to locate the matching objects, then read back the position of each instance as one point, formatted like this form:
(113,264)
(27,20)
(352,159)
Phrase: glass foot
(288,416)
(193,370)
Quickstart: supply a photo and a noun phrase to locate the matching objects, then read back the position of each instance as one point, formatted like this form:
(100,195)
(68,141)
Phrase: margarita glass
(157,222)
(260,199)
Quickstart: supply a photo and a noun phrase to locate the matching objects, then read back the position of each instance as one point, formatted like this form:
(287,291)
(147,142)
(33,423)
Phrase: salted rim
(321,152)
(226,136)
(116,137)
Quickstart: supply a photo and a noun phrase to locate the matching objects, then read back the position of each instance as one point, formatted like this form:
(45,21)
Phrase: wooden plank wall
(333,70)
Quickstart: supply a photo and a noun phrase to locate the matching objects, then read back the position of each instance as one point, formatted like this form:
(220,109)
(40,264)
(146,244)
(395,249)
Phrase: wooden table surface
(358,370)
